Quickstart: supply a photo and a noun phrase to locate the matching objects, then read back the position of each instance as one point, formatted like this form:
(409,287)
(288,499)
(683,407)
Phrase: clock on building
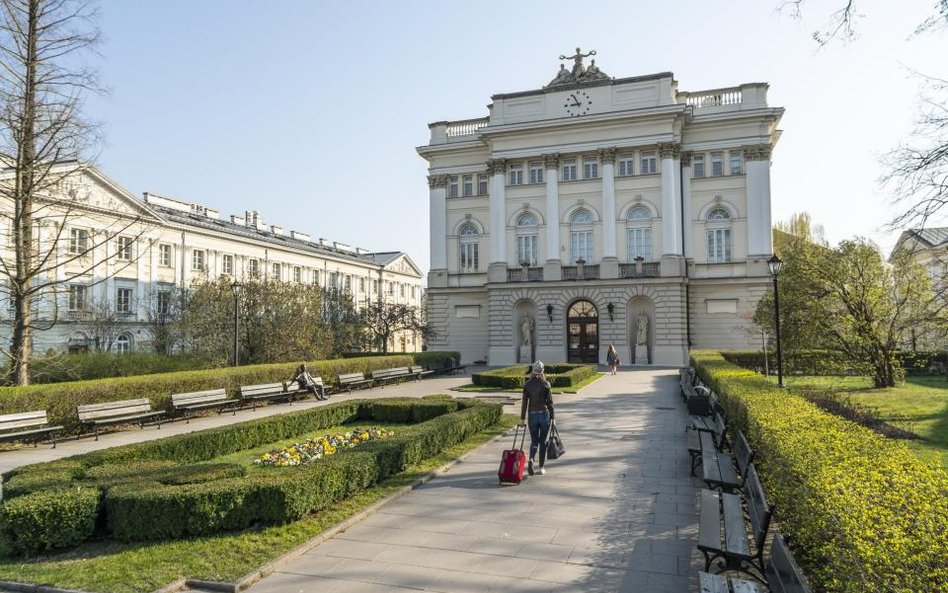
(577,103)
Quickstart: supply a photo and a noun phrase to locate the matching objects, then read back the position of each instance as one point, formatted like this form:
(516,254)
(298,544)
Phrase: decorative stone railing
(643,270)
(518,275)
(586,272)
(465,127)
(714,98)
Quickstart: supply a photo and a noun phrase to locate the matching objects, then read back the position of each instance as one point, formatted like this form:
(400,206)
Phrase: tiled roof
(933,237)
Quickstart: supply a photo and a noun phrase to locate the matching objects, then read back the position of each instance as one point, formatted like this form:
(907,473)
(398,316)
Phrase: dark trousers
(539,424)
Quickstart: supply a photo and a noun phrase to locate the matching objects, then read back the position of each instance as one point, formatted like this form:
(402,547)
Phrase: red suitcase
(513,461)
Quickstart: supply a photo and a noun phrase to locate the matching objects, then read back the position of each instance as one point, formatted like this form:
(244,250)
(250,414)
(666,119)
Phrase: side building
(110,250)
(597,211)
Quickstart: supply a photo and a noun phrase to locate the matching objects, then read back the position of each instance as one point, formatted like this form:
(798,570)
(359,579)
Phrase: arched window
(527,239)
(581,236)
(468,239)
(123,344)
(639,233)
(719,236)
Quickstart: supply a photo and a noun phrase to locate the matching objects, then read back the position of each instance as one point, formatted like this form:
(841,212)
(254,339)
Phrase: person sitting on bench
(306,381)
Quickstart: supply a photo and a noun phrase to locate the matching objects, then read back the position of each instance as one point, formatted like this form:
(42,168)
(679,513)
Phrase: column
(686,204)
(609,265)
(438,229)
(671,209)
(497,270)
(552,269)
(757,170)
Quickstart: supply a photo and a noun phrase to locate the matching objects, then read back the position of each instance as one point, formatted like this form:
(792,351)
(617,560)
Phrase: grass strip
(141,568)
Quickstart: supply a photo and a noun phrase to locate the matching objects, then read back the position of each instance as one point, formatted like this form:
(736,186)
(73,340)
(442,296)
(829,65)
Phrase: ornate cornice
(496,166)
(669,150)
(757,152)
(607,155)
(551,161)
(686,158)
(436,181)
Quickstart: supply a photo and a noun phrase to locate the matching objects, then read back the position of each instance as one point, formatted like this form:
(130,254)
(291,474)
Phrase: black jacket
(537,397)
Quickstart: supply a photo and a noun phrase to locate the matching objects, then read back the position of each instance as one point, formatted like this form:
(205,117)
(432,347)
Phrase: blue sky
(311,111)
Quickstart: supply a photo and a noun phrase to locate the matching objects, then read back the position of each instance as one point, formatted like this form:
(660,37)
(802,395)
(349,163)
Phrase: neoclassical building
(597,211)
(109,248)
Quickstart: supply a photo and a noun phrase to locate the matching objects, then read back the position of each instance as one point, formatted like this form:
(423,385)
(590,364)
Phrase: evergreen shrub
(49,519)
(864,513)
(514,377)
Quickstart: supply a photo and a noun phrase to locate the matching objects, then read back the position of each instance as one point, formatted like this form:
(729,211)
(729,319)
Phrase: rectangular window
(276,272)
(649,163)
(401,290)
(78,241)
(227,264)
(124,252)
(123,300)
(527,249)
(361,284)
(625,164)
(590,167)
(719,246)
(717,164)
(640,244)
(333,279)
(697,165)
(453,186)
(164,255)
(536,172)
(375,287)
(163,302)
(569,169)
(482,185)
(468,185)
(77,297)
(197,260)
(737,163)
(297,274)
(253,268)
(348,283)
(581,246)
(516,174)
(468,257)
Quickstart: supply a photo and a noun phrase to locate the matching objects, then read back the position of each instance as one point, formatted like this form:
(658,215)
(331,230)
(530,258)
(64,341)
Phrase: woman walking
(612,359)
(538,401)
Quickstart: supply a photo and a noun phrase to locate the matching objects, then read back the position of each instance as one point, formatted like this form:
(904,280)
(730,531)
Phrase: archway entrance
(582,321)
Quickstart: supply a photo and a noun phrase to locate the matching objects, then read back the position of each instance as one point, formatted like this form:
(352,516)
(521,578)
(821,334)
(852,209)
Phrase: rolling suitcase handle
(522,437)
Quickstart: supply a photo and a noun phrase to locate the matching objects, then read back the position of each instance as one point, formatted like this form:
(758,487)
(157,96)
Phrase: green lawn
(918,404)
(141,568)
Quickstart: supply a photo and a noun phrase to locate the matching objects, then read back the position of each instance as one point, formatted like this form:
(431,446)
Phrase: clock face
(577,103)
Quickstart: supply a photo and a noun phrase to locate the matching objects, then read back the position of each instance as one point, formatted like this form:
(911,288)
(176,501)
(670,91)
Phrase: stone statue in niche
(526,331)
(641,334)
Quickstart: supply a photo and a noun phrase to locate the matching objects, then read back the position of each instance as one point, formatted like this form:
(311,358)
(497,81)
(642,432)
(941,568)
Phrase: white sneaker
(542,471)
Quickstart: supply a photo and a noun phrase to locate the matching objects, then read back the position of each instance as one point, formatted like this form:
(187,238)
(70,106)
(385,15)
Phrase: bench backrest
(393,372)
(720,431)
(210,395)
(351,377)
(742,454)
(416,369)
(758,509)
(260,388)
(22,420)
(112,409)
(783,573)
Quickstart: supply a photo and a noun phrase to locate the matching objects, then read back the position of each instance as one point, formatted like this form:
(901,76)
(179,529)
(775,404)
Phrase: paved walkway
(616,514)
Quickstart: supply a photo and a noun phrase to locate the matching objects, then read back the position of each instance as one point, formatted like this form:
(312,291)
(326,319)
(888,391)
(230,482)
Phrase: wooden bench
(725,471)
(393,375)
(29,427)
(127,411)
(686,381)
(783,575)
(706,433)
(722,528)
(187,403)
(419,372)
(270,392)
(350,380)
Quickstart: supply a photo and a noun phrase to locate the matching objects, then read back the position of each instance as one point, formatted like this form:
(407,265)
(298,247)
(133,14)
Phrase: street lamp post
(235,288)
(775,265)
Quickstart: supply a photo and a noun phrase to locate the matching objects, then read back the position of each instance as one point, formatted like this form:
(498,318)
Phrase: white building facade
(599,211)
(130,255)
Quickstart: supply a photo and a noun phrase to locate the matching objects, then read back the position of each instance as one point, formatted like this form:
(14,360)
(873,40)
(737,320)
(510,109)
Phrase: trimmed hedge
(559,375)
(156,490)
(60,399)
(865,514)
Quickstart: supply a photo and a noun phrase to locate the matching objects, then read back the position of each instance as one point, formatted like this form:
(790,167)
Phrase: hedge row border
(514,377)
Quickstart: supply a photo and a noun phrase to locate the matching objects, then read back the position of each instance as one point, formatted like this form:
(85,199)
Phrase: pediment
(87,187)
(403,265)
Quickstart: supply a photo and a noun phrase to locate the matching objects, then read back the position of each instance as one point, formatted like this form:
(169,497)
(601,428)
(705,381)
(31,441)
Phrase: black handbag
(554,444)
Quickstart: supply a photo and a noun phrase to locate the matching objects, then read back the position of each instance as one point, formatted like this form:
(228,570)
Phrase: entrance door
(583,327)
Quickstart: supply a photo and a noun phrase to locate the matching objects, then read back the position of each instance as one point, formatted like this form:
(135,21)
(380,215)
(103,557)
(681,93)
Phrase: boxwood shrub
(49,519)
(158,489)
(865,514)
(514,377)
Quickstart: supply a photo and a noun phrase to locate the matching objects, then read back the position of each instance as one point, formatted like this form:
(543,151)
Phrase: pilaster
(497,168)
(757,171)
(551,164)
(671,199)
(438,232)
(686,173)
(608,159)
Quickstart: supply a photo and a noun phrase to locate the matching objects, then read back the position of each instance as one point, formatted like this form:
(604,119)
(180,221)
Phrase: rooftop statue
(579,73)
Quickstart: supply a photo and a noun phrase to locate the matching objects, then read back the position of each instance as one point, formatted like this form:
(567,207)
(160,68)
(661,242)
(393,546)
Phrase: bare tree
(384,320)
(101,324)
(163,314)
(42,137)
(842,23)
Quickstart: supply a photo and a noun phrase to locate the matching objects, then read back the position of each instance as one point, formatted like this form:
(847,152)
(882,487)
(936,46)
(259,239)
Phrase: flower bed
(316,448)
